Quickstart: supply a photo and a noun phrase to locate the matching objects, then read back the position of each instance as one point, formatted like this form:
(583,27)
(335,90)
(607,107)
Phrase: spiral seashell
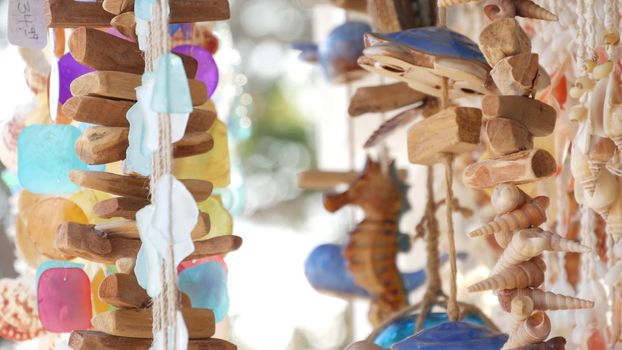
(527,274)
(580,168)
(542,300)
(604,195)
(446,3)
(529,9)
(530,214)
(499,9)
(612,112)
(503,238)
(600,154)
(507,197)
(527,244)
(614,219)
(532,331)
(521,308)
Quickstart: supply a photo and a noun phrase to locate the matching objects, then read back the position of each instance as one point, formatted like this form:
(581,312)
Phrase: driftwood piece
(119,207)
(136,323)
(118,6)
(107,112)
(516,75)
(324,180)
(454,130)
(90,340)
(102,51)
(132,185)
(72,14)
(121,85)
(538,117)
(354,5)
(516,168)
(129,229)
(125,23)
(557,343)
(123,291)
(104,144)
(502,39)
(86,242)
(507,136)
(383,98)
(396,15)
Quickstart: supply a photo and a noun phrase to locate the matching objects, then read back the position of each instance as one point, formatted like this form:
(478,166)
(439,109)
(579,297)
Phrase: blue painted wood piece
(404,327)
(433,41)
(453,336)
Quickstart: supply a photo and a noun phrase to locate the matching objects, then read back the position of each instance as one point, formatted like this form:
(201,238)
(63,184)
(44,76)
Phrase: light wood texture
(354,5)
(129,229)
(125,265)
(132,185)
(516,168)
(119,207)
(516,75)
(397,15)
(503,38)
(105,144)
(324,180)
(454,130)
(125,23)
(118,6)
(121,85)
(383,98)
(72,14)
(507,136)
(136,323)
(102,51)
(538,117)
(86,242)
(90,340)
(123,291)
(107,112)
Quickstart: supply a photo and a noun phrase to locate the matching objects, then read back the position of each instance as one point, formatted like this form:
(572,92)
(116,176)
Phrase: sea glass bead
(68,70)
(45,156)
(206,285)
(64,300)
(453,336)
(207,71)
(221,222)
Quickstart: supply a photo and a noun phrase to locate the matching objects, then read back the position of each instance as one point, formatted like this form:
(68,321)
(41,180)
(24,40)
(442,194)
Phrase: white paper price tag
(26,24)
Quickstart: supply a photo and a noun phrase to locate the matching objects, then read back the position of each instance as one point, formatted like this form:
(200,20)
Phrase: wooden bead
(516,75)
(538,117)
(517,168)
(383,98)
(123,291)
(119,207)
(502,39)
(454,130)
(125,23)
(507,136)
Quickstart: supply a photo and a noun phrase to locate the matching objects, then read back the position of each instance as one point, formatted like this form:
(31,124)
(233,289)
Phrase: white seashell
(534,330)
(527,274)
(577,113)
(614,219)
(602,70)
(605,194)
(532,213)
(542,300)
(507,197)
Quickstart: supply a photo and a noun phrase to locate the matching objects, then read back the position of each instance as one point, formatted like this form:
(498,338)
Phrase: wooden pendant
(383,98)
(507,136)
(538,117)
(125,23)
(123,291)
(91,340)
(119,207)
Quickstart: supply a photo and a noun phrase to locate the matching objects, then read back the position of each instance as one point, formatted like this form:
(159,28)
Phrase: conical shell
(614,165)
(527,274)
(521,308)
(580,167)
(532,331)
(503,238)
(507,197)
(528,9)
(499,9)
(605,194)
(612,112)
(446,3)
(527,244)
(600,154)
(614,220)
(542,300)
(530,214)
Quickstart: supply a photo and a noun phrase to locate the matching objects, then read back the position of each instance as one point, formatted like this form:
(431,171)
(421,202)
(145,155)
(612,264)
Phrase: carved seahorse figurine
(527,274)
(527,244)
(373,245)
(530,214)
(542,300)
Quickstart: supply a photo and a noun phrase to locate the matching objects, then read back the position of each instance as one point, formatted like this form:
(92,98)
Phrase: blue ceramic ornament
(422,57)
(404,327)
(453,336)
(45,157)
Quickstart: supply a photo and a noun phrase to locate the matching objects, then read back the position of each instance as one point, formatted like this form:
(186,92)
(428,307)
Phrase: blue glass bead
(206,285)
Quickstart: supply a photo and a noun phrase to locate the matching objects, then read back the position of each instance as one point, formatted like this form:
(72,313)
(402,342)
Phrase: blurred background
(284,116)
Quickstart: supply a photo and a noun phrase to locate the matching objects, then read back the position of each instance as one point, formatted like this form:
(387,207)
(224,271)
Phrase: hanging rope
(453,311)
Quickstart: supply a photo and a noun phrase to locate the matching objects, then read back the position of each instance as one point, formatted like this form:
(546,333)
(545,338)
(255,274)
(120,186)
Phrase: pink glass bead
(207,71)
(64,299)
